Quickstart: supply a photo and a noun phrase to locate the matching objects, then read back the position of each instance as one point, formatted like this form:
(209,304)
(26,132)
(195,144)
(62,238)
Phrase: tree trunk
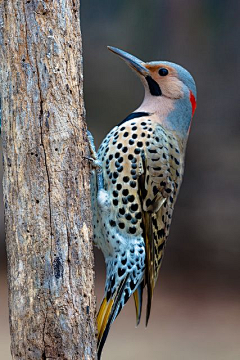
(46,181)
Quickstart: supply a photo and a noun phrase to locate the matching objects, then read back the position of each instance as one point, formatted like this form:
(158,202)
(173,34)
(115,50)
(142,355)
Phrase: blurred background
(196,307)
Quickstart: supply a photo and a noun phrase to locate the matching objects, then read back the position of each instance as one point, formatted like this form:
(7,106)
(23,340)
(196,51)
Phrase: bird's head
(170,91)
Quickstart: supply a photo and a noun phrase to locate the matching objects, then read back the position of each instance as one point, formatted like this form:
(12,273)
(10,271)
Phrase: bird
(136,177)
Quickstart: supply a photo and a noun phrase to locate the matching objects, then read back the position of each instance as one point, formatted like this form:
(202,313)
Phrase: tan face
(170,85)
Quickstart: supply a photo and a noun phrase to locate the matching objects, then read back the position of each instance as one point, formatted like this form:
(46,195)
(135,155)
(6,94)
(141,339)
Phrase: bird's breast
(123,154)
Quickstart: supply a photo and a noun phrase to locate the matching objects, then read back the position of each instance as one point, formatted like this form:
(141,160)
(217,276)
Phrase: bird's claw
(95,163)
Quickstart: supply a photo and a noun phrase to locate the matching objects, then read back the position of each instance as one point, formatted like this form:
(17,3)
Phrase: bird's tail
(138,302)
(108,312)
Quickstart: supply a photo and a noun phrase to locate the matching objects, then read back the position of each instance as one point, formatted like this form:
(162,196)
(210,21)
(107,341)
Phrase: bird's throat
(159,107)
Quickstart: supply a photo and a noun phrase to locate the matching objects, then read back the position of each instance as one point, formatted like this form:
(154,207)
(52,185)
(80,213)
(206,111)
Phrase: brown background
(196,308)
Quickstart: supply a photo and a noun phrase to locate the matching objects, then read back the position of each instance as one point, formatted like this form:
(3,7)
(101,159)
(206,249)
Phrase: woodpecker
(137,173)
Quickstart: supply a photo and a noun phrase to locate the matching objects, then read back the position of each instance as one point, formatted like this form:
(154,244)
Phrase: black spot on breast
(115,193)
(122,211)
(115,202)
(131,142)
(128,217)
(134,136)
(133,184)
(112,223)
(124,149)
(125,192)
(119,146)
(121,225)
(134,207)
(134,221)
(131,198)
(119,186)
(126,179)
(137,151)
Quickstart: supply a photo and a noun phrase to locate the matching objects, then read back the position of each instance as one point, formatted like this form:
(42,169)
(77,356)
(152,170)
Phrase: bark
(46,181)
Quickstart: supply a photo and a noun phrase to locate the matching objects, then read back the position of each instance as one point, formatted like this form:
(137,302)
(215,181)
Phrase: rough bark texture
(46,181)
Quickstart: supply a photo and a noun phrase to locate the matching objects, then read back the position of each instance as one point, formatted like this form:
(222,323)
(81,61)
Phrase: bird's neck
(158,106)
(174,115)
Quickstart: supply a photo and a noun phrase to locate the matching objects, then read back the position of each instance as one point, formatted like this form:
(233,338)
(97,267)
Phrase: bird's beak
(131,61)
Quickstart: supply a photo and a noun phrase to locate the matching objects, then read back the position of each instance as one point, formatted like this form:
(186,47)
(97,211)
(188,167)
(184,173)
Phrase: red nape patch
(193,102)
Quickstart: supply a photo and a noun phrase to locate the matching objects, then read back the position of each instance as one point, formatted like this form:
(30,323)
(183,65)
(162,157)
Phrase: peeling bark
(46,181)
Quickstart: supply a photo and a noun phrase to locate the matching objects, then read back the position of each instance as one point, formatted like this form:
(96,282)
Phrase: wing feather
(158,186)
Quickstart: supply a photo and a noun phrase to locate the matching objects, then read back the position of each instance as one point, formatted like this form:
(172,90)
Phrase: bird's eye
(163,72)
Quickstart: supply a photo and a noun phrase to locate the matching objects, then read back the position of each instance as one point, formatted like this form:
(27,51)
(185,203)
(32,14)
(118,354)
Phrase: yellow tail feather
(103,316)
(138,302)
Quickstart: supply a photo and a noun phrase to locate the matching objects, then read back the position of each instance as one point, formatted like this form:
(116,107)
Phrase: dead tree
(46,181)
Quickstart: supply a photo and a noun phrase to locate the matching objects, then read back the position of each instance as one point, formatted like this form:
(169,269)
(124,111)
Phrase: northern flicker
(138,173)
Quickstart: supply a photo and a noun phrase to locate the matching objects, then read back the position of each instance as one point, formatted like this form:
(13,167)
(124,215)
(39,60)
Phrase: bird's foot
(92,145)
(95,162)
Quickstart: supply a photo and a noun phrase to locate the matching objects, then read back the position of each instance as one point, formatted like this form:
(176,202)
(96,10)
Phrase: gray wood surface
(46,181)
